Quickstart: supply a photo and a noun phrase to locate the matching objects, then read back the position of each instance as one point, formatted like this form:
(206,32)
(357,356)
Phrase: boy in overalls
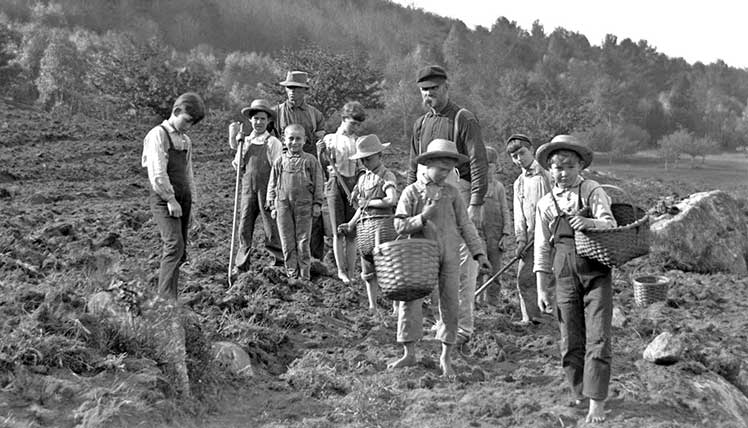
(167,154)
(260,150)
(584,302)
(376,194)
(295,196)
(434,209)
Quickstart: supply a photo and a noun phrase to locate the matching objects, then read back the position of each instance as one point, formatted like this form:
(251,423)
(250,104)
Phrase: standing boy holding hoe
(583,286)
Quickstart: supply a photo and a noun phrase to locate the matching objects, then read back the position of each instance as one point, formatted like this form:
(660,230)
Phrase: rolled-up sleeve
(408,218)
(602,215)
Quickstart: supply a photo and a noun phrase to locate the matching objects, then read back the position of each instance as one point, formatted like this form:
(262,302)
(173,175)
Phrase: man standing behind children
(260,150)
(584,296)
(295,195)
(167,154)
(435,209)
(532,183)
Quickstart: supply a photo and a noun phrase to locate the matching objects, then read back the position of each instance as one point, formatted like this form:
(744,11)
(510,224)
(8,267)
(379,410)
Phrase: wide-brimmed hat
(431,75)
(368,145)
(441,148)
(259,105)
(297,79)
(563,142)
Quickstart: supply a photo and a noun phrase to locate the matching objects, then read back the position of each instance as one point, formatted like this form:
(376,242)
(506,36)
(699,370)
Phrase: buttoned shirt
(273,145)
(529,187)
(592,196)
(156,157)
(373,185)
(305,115)
(341,146)
(469,142)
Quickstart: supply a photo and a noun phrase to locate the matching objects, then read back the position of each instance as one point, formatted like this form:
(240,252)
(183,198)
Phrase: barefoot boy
(167,154)
(295,195)
(532,183)
(583,286)
(434,209)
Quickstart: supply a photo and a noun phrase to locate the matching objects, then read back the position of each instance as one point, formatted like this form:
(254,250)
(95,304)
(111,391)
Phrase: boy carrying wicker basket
(584,302)
(434,209)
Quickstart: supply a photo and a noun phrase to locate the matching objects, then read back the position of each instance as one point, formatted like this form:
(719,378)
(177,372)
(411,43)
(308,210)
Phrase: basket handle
(625,193)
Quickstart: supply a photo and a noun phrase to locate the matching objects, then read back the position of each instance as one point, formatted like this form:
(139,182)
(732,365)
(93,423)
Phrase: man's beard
(427,103)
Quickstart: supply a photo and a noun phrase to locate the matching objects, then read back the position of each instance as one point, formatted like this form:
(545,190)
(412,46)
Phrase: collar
(288,154)
(533,169)
(574,187)
(171,128)
(261,137)
(444,111)
(294,106)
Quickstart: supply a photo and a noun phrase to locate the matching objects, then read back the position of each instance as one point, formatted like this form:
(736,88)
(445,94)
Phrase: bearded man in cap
(447,120)
(295,110)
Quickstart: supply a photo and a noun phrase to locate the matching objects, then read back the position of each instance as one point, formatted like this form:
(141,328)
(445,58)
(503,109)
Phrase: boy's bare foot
(344,277)
(404,361)
(596,412)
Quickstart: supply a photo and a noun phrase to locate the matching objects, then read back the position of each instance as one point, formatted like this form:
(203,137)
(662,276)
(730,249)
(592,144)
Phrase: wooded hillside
(107,58)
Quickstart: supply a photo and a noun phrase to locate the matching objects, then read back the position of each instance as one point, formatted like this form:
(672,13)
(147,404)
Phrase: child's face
(372,162)
(259,122)
(182,121)
(565,172)
(438,169)
(351,125)
(294,139)
(522,157)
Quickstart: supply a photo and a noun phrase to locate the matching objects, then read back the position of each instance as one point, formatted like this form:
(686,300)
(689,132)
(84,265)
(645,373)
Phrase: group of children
(551,202)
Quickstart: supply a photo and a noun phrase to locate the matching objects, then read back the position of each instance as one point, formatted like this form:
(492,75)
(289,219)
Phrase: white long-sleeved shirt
(156,157)
(529,187)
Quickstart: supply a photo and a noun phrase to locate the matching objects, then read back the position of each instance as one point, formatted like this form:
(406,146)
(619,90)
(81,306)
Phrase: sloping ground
(74,220)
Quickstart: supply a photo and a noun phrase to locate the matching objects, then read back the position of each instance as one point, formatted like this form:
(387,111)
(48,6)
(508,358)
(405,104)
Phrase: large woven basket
(367,228)
(407,269)
(616,246)
(650,288)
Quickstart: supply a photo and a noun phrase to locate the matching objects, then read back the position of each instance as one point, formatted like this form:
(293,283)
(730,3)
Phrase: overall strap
(168,136)
(420,130)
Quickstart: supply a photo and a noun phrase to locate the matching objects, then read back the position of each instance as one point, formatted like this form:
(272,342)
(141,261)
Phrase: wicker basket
(366,230)
(615,246)
(650,288)
(407,269)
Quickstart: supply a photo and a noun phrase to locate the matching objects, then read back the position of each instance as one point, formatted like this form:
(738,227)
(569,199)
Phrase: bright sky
(696,30)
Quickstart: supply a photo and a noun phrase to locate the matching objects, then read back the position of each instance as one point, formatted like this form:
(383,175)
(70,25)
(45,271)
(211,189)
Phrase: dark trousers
(317,238)
(173,232)
(584,300)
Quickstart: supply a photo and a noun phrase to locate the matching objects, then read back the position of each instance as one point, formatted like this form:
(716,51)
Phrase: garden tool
(240,148)
(507,266)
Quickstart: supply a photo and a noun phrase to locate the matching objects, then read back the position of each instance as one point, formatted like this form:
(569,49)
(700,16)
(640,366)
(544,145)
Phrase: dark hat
(259,105)
(296,79)
(441,148)
(431,75)
(520,137)
(368,145)
(563,142)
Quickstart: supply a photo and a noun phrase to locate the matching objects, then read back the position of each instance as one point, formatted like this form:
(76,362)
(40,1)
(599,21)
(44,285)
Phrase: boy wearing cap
(376,194)
(496,226)
(583,286)
(167,155)
(533,183)
(434,209)
(295,196)
(259,150)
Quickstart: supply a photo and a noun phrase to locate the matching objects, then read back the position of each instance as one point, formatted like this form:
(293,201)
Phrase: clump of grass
(316,375)
(371,403)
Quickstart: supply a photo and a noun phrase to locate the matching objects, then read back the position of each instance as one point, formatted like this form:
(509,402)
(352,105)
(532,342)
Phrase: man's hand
(484,266)
(544,300)
(581,223)
(475,212)
(520,251)
(316,210)
(175,210)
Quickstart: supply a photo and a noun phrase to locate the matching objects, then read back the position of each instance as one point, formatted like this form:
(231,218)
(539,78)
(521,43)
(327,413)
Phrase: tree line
(133,56)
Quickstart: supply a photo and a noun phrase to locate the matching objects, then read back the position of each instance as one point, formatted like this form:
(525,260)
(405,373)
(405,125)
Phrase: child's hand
(581,223)
(429,210)
(175,210)
(344,229)
(273,213)
(520,251)
(484,265)
(316,210)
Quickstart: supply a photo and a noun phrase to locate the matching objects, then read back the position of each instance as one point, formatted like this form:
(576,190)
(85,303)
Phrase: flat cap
(431,75)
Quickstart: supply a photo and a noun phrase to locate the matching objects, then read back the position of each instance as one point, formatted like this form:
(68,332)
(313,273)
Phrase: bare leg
(408,358)
(338,242)
(350,254)
(596,412)
(445,361)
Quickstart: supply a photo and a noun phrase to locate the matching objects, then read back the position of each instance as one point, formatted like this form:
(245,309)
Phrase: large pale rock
(234,357)
(708,235)
(664,349)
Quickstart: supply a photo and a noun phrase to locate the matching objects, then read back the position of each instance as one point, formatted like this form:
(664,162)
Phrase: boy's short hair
(517,141)
(561,155)
(295,126)
(190,103)
(354,110)
(492,155)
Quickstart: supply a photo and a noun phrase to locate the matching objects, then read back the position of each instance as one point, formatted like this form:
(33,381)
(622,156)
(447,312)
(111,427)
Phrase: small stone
(665,349)
(619,319)
(233,357)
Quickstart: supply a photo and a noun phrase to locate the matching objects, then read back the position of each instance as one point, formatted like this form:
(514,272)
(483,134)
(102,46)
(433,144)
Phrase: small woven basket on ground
(367,228)
(407,269)
(614,247)
(650,288)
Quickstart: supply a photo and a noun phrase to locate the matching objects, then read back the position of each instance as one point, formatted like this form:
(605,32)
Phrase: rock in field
(232,356)
(708,235)
(664,349)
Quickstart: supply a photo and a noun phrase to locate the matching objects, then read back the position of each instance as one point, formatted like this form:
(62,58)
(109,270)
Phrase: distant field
(727,171)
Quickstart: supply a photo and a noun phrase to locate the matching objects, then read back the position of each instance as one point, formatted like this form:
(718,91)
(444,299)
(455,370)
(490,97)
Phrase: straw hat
(563,142)
(441,148)
(368,145)
(298,79)
(259,105)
